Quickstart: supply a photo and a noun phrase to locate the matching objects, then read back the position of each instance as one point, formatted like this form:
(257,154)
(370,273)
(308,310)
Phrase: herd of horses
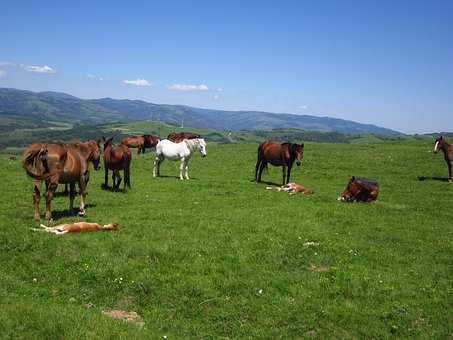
(68,164)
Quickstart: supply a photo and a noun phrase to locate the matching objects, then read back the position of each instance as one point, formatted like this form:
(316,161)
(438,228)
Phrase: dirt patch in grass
(130,317)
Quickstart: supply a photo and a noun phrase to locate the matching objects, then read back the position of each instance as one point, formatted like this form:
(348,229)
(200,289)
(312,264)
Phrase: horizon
(386,64)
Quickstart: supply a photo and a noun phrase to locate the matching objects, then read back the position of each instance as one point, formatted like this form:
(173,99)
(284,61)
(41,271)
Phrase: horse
(116,158)
(360,190)
(182,151)
(278,154)
(141,142)
(447,149)
(176,137)
(77,227)
(60,163)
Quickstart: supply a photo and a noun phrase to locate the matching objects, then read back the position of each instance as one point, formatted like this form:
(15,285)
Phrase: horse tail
(36,156)
(127,174)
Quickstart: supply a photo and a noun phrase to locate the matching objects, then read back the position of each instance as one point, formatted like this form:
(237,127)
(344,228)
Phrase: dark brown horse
(360,190)
(278,154)
(178,137)
(447,149)
(141,142)
(60,163)
(116,158)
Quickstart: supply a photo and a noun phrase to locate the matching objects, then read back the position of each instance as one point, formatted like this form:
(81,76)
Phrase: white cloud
(303,107)
(40,69)
(138,82)
(219,89)
(92,76)
(6,64)
(216,96)
(187,87)
(2,73)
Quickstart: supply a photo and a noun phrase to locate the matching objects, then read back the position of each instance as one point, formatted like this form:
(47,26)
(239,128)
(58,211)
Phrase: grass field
(221,257)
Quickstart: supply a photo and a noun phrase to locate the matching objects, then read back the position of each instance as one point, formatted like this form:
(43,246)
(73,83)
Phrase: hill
(56,106)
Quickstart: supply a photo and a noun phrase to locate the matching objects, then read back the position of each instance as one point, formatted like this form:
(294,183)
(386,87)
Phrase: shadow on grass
(267,183)
(428,178)
(176,177)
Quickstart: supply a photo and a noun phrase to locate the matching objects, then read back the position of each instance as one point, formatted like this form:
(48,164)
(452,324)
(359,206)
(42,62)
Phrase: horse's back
(170,150)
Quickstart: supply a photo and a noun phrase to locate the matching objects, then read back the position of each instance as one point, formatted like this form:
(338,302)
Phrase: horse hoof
(82,213)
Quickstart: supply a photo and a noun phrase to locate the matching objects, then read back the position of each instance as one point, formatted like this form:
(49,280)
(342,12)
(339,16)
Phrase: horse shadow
(177,177)
(440,179)
(112,189)
(59,214)
(267,183)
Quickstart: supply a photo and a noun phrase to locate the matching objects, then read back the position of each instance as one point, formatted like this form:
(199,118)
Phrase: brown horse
(360,190)
(141,142)
(447,149)
(60,163)
(116,158)
(278,154)
(178,137)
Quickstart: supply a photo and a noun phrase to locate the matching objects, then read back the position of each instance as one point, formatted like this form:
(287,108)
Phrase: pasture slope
(221,257)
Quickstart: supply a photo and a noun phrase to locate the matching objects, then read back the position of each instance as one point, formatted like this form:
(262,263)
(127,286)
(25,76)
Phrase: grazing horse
(360,190)
(278,154)
(116,158)
(183,151)
(60,163)
(141,142)
(447,149)
(176,137)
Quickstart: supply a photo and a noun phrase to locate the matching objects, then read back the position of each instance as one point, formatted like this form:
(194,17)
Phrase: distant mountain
(61,107)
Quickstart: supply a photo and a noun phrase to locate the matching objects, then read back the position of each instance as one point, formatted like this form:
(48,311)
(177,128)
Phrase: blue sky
(388,63)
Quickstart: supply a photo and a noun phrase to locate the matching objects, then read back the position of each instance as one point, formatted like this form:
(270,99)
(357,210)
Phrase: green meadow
(220,256)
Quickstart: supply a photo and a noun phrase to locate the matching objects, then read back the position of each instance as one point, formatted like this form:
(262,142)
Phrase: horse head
(95,155)
(439,143)
(202,147)
(351,189)
(297,152)
(107,142)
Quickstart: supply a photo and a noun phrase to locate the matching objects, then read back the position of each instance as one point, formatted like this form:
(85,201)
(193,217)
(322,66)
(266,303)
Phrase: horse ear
(441,137)
(302,145)
(353,178)
(99,142)
(103,138)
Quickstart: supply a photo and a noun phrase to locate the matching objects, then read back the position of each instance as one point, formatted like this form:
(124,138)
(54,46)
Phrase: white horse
(166,149)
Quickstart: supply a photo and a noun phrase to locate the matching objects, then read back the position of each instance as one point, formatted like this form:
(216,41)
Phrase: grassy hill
(55,106)
(221,257)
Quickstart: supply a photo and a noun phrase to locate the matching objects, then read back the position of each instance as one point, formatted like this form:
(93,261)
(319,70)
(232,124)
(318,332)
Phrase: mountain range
(61,107)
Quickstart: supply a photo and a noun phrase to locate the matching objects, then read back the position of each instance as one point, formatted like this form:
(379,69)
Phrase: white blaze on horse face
(435,146)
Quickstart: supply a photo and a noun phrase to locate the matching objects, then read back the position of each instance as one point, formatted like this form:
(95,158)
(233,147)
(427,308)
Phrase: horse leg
(181,168)
(127,176)
(156,170)
(450,178)
(117,175)
(288,174)
(49,196)
(260,171)
(187,169)
(82,192)
(257,167)
(71,195)
(284,175)
(106,176)
(36,198)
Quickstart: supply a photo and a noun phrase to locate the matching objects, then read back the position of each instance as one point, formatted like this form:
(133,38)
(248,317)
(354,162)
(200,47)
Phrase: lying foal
(77,227)
(292,188)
